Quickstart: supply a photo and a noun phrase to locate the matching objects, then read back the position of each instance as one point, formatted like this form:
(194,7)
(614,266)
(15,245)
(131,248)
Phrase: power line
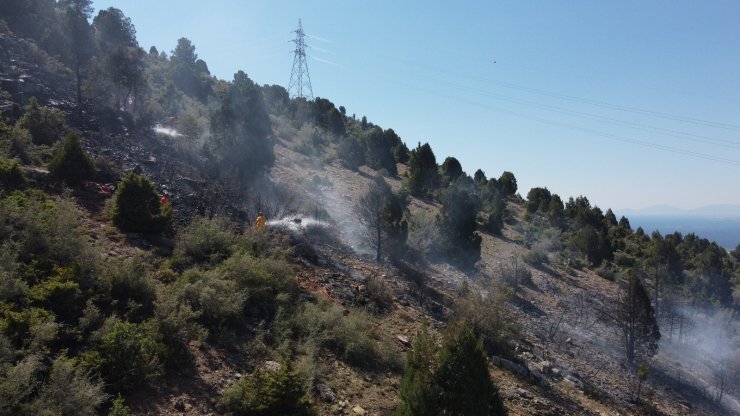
(597,103)
(595,117)
(609,136)
(300,79)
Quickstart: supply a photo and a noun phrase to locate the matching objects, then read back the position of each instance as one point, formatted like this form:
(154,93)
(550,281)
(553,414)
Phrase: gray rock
(326,393)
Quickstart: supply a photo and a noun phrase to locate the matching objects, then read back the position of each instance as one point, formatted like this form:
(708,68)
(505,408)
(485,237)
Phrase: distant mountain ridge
(714,210)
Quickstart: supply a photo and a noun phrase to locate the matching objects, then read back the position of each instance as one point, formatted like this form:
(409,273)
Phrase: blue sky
(630,103)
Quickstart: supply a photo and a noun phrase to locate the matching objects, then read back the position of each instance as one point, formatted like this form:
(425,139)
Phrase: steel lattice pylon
(300,80)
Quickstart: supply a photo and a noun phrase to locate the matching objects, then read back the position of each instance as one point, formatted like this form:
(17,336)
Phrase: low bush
(130,288)
(490,319)
(217,301)
(70,390)
(178,325)
(31,329)
(535,257)
(126,354)
(206,240)
(622,259)
(119,408)
(606,271)
(45,124)
(350,337)
(46,232)
(11,175)
(379,294)
(262,280)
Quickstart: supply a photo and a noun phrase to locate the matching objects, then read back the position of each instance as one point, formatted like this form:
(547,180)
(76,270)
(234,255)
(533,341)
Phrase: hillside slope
(205,305)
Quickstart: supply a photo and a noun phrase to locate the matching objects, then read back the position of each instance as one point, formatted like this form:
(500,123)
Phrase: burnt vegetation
(129,184)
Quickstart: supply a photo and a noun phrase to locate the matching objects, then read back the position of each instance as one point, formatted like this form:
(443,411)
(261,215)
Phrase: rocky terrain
(568,359)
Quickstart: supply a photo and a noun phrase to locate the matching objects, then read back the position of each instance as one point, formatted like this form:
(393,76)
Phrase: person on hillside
(165,200)
(261,221)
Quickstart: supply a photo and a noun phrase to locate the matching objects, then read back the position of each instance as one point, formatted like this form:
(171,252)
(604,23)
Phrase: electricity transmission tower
(300,80)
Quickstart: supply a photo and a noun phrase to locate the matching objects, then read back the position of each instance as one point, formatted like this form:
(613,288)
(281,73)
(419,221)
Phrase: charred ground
(209,301)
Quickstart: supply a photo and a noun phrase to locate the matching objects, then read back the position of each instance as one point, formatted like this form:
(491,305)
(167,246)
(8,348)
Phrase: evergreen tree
(379,149)
(423,175)
(188,76)
(556,211)
(636,319)
(241,128)
(451,169)
(457,223)
(418,391)
(113,28)
(81,41)
(507,183)
(480,178)
(625,223)
(451,381)
(71,163)
(610,219)
(381,212)
(538,200)
(268,393)
(465,386)
(350,153)
(137,208)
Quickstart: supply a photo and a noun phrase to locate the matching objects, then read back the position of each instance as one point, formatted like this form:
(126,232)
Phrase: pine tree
(636,319)
(71,163)
(137,208)
(418,392)
(423,175)
(452,381)
(462,376)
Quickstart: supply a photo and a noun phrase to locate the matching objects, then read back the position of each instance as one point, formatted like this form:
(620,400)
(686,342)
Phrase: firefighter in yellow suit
(261,221)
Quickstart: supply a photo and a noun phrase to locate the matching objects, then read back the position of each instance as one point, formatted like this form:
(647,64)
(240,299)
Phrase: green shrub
(20,142)
(206,240)
(70,391)
(17,384)
(32,329)
(349,337)
(606,271)
(267,393)
(490,319)
(11,175)
(60,294)
(622,259)
(218,302)
(126,354)
(137,208)
(48,233)
(119,407)
(535,257)
(178,325)
(262,279)
(71,163)
(44,123)
(379,294)
(494,223)
(130,288)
